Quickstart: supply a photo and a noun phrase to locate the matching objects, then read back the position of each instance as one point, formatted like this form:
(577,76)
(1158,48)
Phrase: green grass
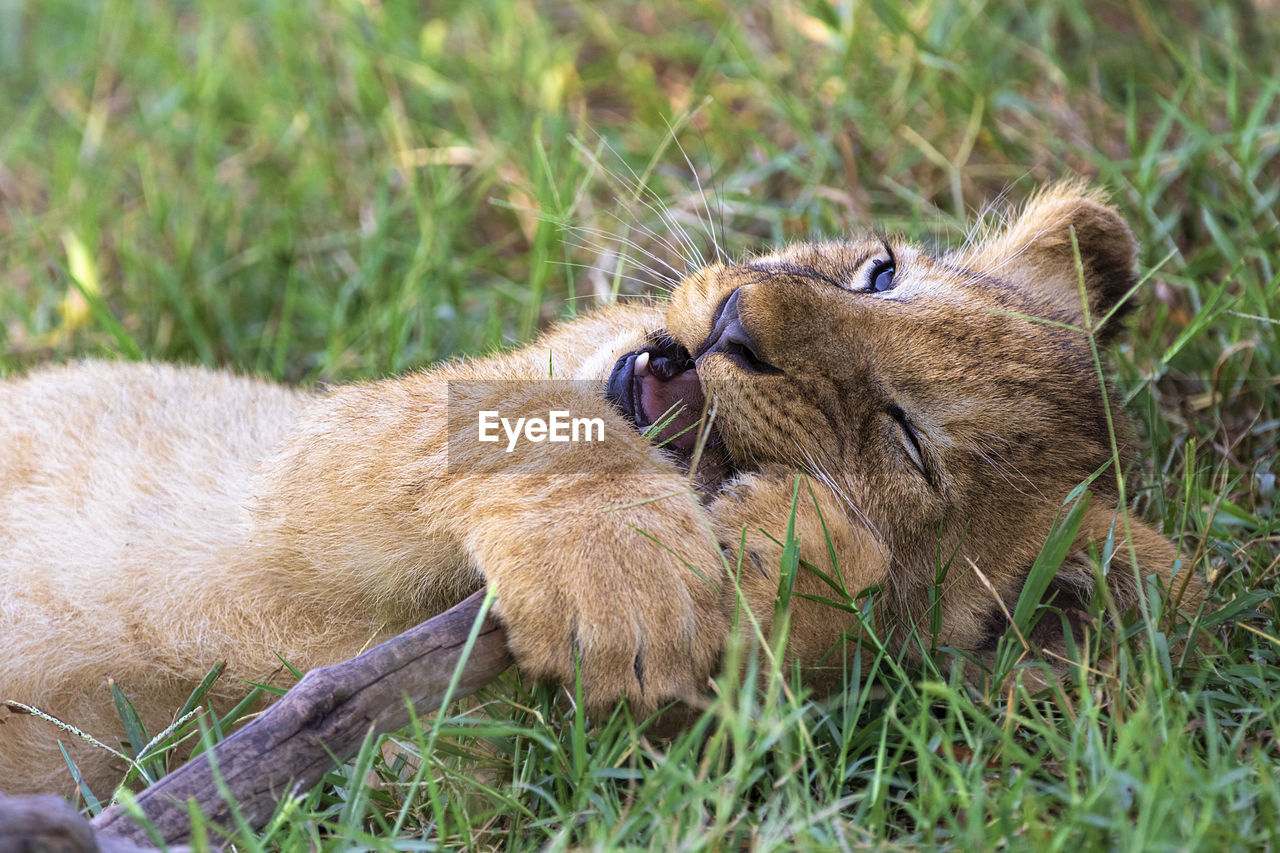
(330,191)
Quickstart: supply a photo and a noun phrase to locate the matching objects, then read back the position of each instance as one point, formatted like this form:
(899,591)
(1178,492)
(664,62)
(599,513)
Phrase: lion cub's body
(156,520)
(122,541)
(140,538)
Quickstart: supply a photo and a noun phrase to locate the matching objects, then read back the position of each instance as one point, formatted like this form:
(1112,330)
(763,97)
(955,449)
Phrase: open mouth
(658,390)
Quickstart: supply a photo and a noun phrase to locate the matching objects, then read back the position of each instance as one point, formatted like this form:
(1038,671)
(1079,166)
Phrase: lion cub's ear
(1034,251)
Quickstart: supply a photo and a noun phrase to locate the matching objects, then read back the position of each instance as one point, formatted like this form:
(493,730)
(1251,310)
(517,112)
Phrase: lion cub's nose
(730,337)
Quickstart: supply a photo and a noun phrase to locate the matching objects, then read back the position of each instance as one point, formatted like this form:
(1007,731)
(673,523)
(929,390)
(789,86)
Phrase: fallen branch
(326,716)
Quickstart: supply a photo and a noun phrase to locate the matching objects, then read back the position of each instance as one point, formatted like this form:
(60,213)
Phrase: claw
(638,666)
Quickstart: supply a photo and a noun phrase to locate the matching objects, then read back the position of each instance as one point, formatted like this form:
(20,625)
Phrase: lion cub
(155,520)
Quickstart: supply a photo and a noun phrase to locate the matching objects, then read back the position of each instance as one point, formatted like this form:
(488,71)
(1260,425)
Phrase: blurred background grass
(330,191)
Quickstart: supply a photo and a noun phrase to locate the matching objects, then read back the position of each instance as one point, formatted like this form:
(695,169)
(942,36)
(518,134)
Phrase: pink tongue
(657,397)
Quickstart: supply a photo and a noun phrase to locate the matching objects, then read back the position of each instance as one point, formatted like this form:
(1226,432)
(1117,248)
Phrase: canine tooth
(642,364)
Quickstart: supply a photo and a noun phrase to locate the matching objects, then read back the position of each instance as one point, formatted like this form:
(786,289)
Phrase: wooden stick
(50,823)
(326,716)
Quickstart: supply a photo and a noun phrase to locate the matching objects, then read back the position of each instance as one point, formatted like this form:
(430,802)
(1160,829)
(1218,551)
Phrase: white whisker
(629,243)
(643,282)
(638,264)
(644,229)
(987,446)
(638,188)
(710,223)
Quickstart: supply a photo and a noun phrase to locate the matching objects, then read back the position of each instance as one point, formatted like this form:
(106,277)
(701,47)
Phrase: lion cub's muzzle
(731,338)
(659,385)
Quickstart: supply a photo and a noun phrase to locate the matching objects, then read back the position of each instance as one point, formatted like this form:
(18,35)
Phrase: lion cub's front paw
(636,621)
(837,557)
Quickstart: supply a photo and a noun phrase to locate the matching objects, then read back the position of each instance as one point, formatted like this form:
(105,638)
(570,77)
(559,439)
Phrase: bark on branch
(290,747)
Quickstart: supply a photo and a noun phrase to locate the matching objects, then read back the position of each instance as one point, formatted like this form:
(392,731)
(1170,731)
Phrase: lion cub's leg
(618,575)
(1076,583)
(755,510)
(1097,575)
(599,552)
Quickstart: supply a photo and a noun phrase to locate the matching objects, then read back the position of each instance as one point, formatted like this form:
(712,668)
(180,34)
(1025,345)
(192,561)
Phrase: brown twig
(326,716)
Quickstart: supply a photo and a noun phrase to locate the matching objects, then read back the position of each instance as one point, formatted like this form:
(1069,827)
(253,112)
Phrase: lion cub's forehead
(843,261)
(827,256)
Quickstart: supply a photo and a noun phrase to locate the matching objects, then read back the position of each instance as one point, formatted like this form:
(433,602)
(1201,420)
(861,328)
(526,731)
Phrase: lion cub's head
(950,401)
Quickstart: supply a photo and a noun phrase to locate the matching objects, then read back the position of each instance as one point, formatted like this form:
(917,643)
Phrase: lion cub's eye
(911,441)
(881,278)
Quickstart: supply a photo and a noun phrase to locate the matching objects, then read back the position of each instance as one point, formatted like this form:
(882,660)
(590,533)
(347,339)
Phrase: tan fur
(155,520)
